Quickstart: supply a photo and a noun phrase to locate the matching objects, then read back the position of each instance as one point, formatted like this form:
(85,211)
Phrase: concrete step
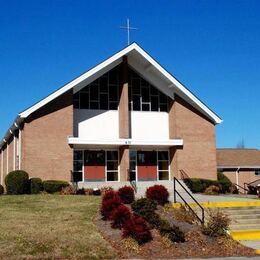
(244,227)
(246,221)
(245,216)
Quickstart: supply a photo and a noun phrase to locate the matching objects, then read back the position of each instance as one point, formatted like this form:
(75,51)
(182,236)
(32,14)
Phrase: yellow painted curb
(245,234)
(221,204)
(257,251)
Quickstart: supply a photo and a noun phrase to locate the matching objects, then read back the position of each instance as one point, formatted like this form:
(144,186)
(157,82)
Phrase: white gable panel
(96,124)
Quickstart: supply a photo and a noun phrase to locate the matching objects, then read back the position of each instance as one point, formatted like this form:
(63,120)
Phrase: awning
(85,143)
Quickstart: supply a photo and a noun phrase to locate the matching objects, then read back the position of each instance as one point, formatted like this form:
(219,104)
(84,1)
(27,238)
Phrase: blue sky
(213,47)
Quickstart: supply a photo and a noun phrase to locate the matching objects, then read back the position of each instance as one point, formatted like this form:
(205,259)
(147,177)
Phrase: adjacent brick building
(125,119)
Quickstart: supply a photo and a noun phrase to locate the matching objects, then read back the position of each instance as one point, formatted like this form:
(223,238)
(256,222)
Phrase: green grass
(51,226)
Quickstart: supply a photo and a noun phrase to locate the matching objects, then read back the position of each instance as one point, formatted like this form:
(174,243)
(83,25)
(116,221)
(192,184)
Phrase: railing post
(174,191)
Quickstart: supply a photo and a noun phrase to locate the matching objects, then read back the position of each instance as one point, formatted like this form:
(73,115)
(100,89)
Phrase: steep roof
(243,158)
(143,63)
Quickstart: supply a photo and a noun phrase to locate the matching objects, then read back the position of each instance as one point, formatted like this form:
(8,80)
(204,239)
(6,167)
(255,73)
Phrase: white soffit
(143,63)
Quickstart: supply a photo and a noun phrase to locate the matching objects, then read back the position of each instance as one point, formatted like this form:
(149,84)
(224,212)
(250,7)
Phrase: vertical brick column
(124,120)
(172,134)
(124,162)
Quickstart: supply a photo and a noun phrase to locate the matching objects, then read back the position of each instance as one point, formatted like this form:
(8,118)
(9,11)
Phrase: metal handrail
(241,187)
(202,219)
(184,175)
(134,186)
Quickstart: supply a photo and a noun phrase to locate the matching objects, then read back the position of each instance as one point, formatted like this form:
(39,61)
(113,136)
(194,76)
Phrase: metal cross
(128,28)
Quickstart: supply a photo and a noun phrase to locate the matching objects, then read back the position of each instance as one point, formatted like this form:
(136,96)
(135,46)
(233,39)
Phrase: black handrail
(184,175)
(202,219)
(241,187)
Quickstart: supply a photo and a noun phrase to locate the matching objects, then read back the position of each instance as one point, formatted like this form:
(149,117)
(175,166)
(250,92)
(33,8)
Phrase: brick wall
(45,150)
(197,157)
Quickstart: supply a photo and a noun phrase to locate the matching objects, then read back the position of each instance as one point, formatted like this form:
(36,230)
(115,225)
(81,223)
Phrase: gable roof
(143,63)
(238,158)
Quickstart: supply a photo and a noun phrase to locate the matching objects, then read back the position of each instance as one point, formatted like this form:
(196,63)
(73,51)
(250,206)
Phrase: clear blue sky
(213,47)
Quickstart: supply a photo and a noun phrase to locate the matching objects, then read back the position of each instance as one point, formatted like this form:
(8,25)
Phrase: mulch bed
(197,244)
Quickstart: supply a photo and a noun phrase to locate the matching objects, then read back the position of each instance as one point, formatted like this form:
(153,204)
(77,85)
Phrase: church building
(125,119)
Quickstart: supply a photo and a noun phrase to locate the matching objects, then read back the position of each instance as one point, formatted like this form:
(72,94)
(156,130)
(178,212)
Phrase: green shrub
(217,225)
(17,182)
(52,186)
(142,205)
(1,189)
(200,185)
(225,183)
(171,231)
(36,185)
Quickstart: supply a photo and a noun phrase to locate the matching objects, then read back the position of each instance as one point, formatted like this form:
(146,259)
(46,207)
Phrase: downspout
(237,171)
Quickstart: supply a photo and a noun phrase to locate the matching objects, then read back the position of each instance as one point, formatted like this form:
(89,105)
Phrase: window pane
(145,94)
(154,91)
(103,101)
(77,166)
(94,93)
(132,165)
(145,107)
(112,176)
(136,103)
(112,166)
(76,95)
(113,93)
(163,98)
(103,84)
(163,165)
(112,155)
(77,176)
(144,83)
(94,105)
(132,155)
(136,87)
(113,105)
(163,155)
(164,107)
(164,175)
(84,100)
(113,77)
(154,103)
(77,155)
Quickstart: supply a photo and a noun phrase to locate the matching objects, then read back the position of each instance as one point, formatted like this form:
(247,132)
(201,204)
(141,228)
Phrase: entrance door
(94,165)
(147,165)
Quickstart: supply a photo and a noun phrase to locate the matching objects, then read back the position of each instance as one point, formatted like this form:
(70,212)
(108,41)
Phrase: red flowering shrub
(158,193)
(108,206)
(110,194)
(137,228)
(120,216)
(126,194)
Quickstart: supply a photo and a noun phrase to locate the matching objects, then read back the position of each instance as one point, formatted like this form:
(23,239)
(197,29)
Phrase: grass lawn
(51,226)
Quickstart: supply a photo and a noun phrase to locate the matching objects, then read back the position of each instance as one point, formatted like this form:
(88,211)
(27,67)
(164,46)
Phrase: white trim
(14,148)
(20,149)
(130,142)
(7,158)
(2,167)
(117,59)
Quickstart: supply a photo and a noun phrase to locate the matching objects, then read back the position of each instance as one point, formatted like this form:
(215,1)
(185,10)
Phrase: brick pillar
(124,162)
(124,121)
(172,134)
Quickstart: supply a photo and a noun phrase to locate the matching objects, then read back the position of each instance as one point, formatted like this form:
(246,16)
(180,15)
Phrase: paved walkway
(211,198)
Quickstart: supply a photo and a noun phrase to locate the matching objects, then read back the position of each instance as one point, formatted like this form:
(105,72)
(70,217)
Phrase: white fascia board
(239,167)
(76,81)
(130,142)
(183,89)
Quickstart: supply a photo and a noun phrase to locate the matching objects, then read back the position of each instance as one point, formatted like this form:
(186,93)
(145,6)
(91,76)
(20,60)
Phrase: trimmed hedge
(52,186)
(17,182)
(36,185)
(199,185)
(225,183)
(1,189)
